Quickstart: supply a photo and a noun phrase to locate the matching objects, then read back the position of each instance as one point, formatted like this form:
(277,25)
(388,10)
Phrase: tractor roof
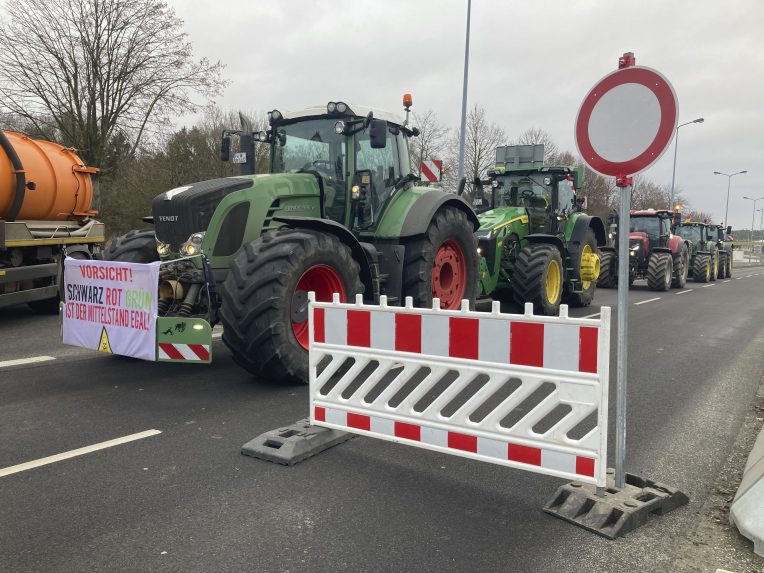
(357,110)
(652,213)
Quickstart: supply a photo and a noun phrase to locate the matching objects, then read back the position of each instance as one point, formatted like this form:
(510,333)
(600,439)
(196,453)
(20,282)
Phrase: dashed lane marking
(78,452)
(684,291)
(706,286)
(646,301)
(21,361)
(728,281)
(217,335)
(591,315)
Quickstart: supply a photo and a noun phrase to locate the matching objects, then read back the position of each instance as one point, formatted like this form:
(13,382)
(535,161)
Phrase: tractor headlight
(274,116)
(262,136)
(162,248)
(339,127)
(342,107)
(479,251)
(193,246)
(634,248)
(331,107)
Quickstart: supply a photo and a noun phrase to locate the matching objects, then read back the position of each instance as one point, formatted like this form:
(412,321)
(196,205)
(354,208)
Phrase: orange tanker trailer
(46,194)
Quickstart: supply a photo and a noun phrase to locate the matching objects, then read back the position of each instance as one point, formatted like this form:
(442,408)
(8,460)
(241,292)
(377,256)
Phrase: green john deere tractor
(338,213)
(536,243)
(704,253)
(723,239)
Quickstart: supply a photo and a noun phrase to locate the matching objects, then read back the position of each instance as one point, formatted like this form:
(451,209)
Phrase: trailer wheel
(138,246)
(586,261)
(608,270)
(443,263)
(538,278)
(659,271)
(265,298)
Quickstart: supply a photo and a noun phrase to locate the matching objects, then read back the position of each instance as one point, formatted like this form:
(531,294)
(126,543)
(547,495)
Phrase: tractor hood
(501,217)
(640,236)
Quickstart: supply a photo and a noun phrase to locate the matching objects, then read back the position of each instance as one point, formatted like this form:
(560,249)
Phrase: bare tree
(537,136)
(432,142)
(87,72)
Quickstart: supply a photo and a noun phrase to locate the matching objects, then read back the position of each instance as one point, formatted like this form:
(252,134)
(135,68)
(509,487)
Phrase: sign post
(625,123)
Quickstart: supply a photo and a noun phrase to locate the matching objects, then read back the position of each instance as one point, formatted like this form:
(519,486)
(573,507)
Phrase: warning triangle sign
(103,344)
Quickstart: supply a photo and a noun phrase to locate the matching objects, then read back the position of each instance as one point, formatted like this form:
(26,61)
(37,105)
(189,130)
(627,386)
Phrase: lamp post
(464,93)
(753,216)
(676,145)
(729,178)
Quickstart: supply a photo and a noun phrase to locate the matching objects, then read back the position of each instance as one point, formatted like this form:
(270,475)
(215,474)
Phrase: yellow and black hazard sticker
(103,344)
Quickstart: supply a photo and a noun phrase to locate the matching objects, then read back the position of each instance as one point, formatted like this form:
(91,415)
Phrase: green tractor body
(338,213)
(536,243)
(704,253)
(723,238)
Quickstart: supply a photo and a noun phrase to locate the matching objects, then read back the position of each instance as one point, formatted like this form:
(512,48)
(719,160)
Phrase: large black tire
(585,297)
(608,270)
(449,250)
(681,267)
(722,264)
(529,280)
(728,272)
(133,247)
(701,268)
(659,271)
(261,299)
(714,263)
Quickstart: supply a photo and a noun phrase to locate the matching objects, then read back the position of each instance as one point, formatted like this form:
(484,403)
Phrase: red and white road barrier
(509,389)
(431,170)
(186,352)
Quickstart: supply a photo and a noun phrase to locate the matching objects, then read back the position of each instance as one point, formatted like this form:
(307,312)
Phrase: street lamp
(753,216)
(729,178)
(676,145)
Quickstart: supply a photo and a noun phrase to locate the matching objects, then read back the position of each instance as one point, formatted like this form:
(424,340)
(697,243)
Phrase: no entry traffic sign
(626,121)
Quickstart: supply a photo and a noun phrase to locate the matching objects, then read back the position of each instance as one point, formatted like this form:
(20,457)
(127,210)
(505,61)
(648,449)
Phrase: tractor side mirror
(478,198)
(582,202)
(729,230)
(460,188)
(225,148)
(378,133)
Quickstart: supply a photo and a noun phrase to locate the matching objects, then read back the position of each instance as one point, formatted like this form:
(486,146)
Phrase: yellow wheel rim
(589,267)
(553,274)
(708,270)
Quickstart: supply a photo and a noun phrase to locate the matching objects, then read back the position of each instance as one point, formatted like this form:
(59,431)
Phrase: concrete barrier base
(747,511)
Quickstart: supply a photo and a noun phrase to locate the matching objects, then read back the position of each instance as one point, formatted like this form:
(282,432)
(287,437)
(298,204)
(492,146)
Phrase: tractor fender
(544,238)
(583,224)
(423,210)
(675,243)
(661,250)
(346,237)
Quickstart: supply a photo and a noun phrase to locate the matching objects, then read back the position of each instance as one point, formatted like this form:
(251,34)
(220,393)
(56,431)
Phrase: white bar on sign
(559,461)
(383,330)
(492,448)
(435,335)
(561,346)
(494,340)
(383,426)
(336,326)
(338,417)
(434,437)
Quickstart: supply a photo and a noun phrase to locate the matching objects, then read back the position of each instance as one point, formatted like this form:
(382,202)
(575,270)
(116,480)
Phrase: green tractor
(723,239)
(536,243)
(338,213)
(704,253)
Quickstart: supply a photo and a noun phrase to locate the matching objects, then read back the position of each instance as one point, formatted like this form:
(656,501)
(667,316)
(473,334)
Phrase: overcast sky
(531,64)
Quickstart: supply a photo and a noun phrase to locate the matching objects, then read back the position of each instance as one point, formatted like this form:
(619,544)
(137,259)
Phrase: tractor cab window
(566,196)
(665,227)
(314,146)
(384,165)
(649,225)
(689,232)
(522,191)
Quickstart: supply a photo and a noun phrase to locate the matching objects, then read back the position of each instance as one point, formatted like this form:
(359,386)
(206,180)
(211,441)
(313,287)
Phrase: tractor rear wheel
(265,298)
(608,270)
(584,263)
(701,268)
(722,264)
(133,247)
(538,278)
(714,264)
(443,263)
(659,271)
(681,268)
(729,265)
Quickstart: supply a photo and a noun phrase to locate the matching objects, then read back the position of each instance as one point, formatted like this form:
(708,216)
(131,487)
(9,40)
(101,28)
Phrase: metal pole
(464,93)
(623,326)
(753,216)
(673,173)
(727,208)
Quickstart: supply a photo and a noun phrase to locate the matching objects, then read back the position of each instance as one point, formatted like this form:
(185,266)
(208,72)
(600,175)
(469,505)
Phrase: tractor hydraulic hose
(187,308)
(21,180)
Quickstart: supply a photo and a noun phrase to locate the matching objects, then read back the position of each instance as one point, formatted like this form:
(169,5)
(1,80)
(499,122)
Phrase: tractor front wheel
(714,264)
(608,270)
(133,247)
(588,265)
(443,263)
(659,271)
(728,273)
(265,298)
(538,278)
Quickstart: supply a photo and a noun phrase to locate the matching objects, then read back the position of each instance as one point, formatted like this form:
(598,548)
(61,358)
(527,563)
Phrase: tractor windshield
(689,232)
(522,191)
(649,225)
(309,145)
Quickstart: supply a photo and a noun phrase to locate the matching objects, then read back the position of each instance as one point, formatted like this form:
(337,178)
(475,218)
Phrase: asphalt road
(186,500)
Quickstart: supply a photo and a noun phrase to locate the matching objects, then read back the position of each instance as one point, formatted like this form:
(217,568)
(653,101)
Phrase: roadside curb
(745,512)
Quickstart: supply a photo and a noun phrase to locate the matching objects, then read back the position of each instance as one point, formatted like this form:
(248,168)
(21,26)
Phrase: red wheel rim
(449,275)
(324,281)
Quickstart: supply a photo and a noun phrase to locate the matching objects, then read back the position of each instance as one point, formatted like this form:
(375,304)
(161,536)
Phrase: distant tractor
(655,253)
(704,254)
(723,239)
(338,213)
(536,243)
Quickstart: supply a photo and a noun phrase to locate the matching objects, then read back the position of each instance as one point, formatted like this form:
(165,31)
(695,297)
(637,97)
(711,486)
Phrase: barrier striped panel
(523,391)
(183,352)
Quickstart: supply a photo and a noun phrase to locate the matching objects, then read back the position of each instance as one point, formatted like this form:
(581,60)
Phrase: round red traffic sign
(626,121)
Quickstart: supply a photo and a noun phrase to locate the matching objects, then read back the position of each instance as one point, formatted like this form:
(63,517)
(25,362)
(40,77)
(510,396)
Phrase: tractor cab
(650,228)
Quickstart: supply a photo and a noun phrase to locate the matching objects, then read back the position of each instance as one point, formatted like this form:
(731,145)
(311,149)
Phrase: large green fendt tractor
(536,243)
(723,239)
(704,254)
(338,213)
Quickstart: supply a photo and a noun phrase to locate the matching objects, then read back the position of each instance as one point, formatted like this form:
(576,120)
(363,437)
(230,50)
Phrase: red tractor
(656,254)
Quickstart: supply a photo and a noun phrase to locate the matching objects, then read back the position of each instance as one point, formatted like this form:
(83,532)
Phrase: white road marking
(738,278)
(591,315)
(706,286)
(78,452)
(684,291)
(646,301)
(217,334)
(20,361)
(728,281)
